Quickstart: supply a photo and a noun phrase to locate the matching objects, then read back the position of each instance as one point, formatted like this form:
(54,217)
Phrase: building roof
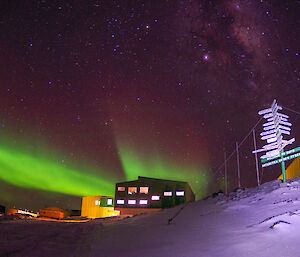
(103,196)
(140,178)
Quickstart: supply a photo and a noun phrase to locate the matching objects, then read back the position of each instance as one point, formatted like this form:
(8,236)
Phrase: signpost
(290,157)
(295,150)
(277,124)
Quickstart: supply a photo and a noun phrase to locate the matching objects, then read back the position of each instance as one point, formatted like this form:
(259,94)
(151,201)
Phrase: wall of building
(55,213)
(97,207)
(293,170)
(156,188)
(136,211)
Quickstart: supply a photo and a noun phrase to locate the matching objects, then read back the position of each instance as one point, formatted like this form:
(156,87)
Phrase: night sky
(98,92)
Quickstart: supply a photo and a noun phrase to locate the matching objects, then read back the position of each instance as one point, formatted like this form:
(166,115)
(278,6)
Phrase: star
(161,85)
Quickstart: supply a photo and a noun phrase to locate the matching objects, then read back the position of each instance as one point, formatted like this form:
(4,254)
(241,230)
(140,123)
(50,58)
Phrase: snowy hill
(261,222)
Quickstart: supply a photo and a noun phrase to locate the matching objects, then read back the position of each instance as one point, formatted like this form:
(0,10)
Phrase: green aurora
(31,166)
(25,170)
(135,164)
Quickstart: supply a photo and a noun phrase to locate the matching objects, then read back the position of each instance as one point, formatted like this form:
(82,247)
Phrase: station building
(150,194)
(98,207)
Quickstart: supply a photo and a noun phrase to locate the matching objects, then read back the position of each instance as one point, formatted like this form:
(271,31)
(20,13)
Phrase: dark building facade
(2,209)
(150,194)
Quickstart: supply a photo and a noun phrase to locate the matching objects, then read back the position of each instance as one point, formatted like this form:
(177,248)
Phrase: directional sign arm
(270,127)
(277,124)
(265,111)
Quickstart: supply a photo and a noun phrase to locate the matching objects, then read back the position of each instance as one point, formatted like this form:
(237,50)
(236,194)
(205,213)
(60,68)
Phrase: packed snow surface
(262,221)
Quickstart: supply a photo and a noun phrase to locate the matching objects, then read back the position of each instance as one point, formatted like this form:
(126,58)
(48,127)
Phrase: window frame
(131,193)
(131,203)
(178,193)
(143,192)
(168,195)
(117,202)
(155,196)
(143,203)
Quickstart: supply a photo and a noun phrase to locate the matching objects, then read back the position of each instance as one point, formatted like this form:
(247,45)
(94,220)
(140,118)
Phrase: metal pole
(238,164)
(225,173)
(283,167)
(256,161)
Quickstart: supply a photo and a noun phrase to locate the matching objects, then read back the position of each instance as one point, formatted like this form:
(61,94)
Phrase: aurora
(25,170)
(39,166)
(136,164)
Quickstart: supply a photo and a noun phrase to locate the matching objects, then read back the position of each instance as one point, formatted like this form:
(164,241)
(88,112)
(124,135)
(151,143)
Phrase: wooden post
(238,164)
(256,161)
(225,175)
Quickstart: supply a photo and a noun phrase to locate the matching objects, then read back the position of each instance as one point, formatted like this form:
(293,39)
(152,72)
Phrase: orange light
(144,190)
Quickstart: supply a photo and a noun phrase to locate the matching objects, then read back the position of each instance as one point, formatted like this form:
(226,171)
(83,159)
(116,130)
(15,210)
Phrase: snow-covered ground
(260,222)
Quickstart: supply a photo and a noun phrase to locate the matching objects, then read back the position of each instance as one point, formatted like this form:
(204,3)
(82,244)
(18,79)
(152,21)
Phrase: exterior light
(155,197)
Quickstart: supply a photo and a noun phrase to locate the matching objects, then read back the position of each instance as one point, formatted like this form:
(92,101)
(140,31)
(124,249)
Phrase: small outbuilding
(151,194)
(293,170)
(53,212)
(98,207)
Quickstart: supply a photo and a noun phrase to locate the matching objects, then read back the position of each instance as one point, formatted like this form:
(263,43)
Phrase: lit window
(109,201)
(121,188)
(155,197)
(143,202)
(144,190)
(168,193)
(179,193)
(131,202)
(120,201)
(97,202)
(132,190)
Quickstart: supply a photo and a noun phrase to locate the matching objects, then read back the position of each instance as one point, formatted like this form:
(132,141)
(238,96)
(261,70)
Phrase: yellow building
(98,207)
(293,171)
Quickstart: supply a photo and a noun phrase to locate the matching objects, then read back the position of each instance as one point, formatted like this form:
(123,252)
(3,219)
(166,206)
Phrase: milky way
(161,86)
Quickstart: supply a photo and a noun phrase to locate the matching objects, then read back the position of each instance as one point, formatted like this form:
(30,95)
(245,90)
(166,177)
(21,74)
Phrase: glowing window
(131,202)
(121,188)
(168,193)
(144,190)
(179,193)
(109,201)
(120,201)
(97,202)
(143,202)
(155,197)
(132,190)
